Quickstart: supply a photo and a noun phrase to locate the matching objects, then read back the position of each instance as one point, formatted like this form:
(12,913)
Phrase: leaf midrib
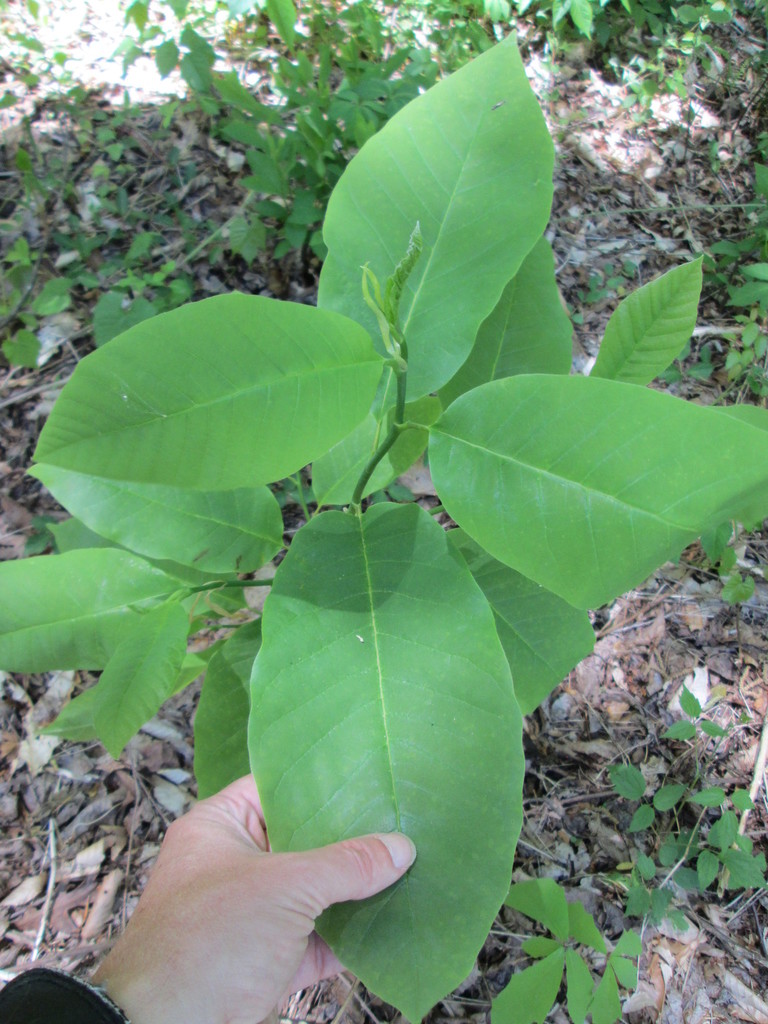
(379,672)
(406,885)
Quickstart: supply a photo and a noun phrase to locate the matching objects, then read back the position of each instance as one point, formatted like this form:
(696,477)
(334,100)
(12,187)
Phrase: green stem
(398,426)
(300,492)
(401,382)
(394,432)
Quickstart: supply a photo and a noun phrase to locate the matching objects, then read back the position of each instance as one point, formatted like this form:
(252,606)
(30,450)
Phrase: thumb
(355,868)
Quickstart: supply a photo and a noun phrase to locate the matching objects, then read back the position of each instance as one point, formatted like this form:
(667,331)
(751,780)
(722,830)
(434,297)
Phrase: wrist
(143,996)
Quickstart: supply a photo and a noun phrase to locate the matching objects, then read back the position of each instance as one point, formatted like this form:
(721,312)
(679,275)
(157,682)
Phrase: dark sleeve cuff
(42,996)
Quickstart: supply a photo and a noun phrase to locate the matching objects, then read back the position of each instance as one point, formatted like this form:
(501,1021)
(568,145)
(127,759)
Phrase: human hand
(225,928)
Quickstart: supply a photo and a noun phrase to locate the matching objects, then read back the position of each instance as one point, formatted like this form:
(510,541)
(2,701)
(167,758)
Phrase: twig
(754,789)
(48,892)
(719,332)
(758,775)
(29,393)
(345,1004)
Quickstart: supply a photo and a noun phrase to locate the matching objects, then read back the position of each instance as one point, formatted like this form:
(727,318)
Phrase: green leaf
(378,650)
(54,298)
(452,160)
(712,729)
(196,65)
(745,871)
(741,800)
(213,531)
(75,721)
(646,867)
(247,237)
(23,349)
(282,14)
(582,927)
(527,332)
(581,15)
(664,799)
(243,390)
(544,901)
(72,535)
(757,271)
(539,946)
(221,720)
(140,675)
(579,986)
(235,94)
(638,901)
(629,944)
(627,780)
(716,540)
(682,730)
(71,611)
(749,294)
(166,57)
(642,818)
(625,970)
(113,314)
(689,703)
(606,1004)
(738,588)
(707,867)
(530,994)
(714,796)
(542,636)
(265,174)
(551,475)
(761,180)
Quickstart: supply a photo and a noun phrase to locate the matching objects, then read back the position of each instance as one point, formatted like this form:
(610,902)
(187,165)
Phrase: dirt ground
(79,830)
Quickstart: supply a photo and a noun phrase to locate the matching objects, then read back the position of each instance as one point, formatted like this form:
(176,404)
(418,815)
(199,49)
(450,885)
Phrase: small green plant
(532,992)
(687,855)
(384,640)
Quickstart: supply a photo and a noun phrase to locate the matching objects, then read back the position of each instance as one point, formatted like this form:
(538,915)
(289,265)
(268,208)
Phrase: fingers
(318,963)
(355,868)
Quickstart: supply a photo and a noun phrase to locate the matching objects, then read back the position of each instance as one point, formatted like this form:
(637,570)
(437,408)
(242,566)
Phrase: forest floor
(79,830)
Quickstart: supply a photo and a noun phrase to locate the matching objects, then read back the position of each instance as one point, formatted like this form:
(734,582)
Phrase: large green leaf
(650,327)
(471,162)
(233,391)
(213,531)
(543,637)
(587,485)
(140,675)
(381,700)
(71,611)
(221,720)
(528,331)
(335,475)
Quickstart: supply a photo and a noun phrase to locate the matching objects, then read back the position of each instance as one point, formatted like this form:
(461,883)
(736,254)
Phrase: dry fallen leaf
(25,892)
(101,911)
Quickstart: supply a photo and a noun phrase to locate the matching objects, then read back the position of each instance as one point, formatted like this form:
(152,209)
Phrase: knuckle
(366,863)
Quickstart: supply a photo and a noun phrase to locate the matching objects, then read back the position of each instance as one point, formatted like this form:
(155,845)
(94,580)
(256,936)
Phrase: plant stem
(300,492)
(394,432)
(398,426)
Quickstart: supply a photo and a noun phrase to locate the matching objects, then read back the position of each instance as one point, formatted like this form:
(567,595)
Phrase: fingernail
(401,849)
